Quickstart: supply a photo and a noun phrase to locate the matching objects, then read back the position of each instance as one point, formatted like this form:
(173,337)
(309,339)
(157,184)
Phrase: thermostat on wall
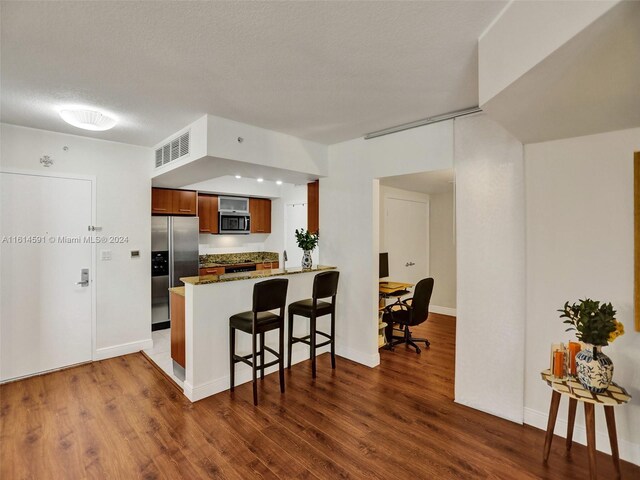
(135,253)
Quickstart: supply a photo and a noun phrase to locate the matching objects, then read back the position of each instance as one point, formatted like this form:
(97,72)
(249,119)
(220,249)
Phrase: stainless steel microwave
(234,223)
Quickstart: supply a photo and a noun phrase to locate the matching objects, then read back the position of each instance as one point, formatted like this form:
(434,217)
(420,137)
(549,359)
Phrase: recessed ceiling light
(261,179)
(88,119)
(238,176)
(279,182)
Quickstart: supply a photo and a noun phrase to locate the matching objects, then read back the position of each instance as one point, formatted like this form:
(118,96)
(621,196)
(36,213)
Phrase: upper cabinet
(161,201)
(313,206)
(166,201)
(208,213)
(260,210)
(184,202)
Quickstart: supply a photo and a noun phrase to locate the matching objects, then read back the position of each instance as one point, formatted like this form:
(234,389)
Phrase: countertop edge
(233,277)
(178,291)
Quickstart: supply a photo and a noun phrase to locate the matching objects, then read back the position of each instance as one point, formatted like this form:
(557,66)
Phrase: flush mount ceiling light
(260,179)
(238,176)
(279,182)
(88,119)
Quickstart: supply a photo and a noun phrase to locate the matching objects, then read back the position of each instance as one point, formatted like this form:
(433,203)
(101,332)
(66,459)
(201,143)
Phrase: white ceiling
(591,84)
(325,71)
(431,183)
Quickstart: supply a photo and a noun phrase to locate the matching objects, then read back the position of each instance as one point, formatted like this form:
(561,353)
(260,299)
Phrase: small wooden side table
(571,387)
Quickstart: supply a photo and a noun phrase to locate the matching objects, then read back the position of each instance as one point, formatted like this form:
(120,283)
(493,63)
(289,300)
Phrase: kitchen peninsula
(209,302)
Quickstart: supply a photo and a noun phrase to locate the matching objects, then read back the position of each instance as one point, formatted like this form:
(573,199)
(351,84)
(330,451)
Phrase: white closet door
(407,239)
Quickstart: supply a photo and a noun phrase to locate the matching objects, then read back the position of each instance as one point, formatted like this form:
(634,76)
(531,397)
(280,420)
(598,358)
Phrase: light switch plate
(105,255)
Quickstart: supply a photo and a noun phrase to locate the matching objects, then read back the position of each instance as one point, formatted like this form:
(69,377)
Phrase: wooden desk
(614,395)
(386,290)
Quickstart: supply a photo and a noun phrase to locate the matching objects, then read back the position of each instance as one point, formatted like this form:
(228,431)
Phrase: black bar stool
(267,295)
(325,285)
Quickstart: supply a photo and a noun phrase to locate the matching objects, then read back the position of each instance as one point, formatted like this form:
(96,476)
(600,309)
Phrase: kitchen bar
(209,302)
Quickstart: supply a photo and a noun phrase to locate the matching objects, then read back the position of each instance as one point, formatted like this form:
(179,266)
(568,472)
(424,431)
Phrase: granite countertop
(230,277)
(177,290)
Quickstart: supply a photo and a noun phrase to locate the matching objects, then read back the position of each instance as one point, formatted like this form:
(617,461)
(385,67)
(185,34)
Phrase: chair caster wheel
(427,344)
(418,350)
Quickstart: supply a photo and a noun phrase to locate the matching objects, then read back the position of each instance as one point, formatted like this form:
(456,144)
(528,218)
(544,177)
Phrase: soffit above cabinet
(219,147)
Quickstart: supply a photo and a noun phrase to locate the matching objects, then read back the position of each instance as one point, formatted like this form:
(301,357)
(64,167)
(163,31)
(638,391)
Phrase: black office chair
(267,295)
(325,285)
(409,315)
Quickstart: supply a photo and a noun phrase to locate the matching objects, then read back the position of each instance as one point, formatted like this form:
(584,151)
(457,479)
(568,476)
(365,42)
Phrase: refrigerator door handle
(171,252)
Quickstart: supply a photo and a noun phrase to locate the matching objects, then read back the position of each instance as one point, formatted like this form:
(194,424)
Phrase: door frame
(94,262)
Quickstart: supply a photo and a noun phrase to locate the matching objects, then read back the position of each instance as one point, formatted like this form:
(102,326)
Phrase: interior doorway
(417,241)
(47,269)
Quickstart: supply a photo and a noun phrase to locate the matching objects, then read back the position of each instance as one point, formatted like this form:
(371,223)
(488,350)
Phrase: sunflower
(617,332)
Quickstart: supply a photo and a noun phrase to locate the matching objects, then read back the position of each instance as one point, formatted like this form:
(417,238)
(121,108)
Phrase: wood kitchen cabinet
(161,199)
(208,213)
(178,328)
(166,201)
(260,210)
(313,206)
(267,265)
(211,271)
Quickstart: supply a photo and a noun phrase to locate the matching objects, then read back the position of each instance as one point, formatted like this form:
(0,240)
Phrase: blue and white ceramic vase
(306,259)
(594,368)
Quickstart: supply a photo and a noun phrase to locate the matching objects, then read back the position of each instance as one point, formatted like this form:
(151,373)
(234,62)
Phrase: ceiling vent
(175,149)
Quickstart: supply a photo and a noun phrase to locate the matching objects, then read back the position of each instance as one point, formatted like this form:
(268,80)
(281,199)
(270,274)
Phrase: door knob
(84,278)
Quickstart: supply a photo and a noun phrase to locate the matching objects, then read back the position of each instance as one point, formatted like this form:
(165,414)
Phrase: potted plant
(307,241)
(595,326)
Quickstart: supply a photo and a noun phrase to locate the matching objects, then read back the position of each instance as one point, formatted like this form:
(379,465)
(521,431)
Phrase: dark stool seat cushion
(305,307)
(244,321)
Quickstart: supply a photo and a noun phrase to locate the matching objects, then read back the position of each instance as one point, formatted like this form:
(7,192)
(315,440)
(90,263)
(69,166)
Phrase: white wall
(442,252)
(349,217)
(123,186)
(255,242)
(524,34)
(490,258)
(580,244)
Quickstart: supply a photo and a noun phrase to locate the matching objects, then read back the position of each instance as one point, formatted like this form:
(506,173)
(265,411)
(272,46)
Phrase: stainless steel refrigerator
(174,254)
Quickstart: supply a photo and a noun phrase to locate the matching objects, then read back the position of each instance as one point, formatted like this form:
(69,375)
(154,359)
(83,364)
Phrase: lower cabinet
(178,350)
(211,271)
(267,266)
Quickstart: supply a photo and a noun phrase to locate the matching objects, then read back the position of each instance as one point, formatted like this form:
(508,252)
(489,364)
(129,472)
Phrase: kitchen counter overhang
(231,277)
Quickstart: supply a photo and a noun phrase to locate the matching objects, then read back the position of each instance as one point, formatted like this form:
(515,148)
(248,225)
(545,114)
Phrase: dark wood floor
(120,418)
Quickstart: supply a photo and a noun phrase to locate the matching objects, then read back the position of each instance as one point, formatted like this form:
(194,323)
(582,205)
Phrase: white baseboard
(442,310)
(243,375)
(629,451)
(366,359)
(123,349)
(495,412)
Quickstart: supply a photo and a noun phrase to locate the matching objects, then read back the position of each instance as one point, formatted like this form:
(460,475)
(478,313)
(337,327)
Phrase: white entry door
(45,315)
(407,239)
